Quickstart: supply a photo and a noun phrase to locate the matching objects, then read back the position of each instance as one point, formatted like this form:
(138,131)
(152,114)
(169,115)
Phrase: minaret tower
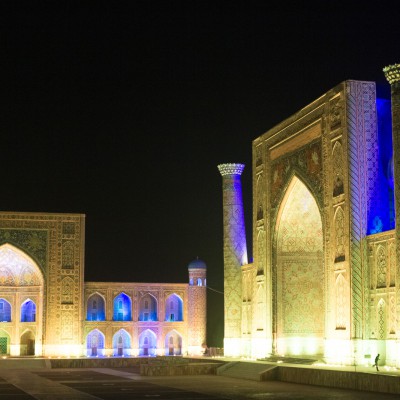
(197,307)
(235,255)
(392,74)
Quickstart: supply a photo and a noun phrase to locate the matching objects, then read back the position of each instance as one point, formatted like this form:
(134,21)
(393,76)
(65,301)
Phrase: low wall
(178,369)
(340,379)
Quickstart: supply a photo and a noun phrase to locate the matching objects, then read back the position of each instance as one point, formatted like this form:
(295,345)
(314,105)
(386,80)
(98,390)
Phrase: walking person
(376,362)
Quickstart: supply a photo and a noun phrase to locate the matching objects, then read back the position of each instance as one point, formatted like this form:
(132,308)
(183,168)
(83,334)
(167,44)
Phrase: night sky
(122,111)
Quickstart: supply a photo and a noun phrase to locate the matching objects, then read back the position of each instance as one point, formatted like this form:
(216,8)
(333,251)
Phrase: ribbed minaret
(235,254)
(392,74)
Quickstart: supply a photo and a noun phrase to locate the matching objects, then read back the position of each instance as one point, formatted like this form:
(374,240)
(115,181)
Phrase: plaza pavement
(43,383)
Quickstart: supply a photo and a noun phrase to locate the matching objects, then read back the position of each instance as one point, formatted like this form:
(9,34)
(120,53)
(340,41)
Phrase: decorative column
(392,74)
(235,255)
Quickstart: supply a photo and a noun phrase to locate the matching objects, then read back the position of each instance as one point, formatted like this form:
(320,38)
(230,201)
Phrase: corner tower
(197,306)
(235,254)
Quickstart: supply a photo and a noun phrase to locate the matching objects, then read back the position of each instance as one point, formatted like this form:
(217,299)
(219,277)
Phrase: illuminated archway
(27,347)
(4,343)
(22,284)
(5,311)
(121,343)
(95,343)
(148,308)
(173,343)
(173,308)
(96,308)
(147,343)
(300,273)
(122,308)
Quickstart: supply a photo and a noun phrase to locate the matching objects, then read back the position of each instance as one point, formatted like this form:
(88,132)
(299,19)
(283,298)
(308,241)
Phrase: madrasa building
(47,309)
(325,279)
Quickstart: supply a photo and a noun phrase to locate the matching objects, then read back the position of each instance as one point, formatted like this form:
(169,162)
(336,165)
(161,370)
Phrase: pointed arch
(96,308)
(148,308)
(18,268)
(173,308)
(121,343)
(28,311)
(27,343)
(173,343)
(147,343)
(122,307)
(5,310)
(4,342)
(299,271)
(95,343)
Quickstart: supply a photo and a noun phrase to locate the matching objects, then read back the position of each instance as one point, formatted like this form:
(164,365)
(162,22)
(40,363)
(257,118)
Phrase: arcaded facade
(46,307)
(325,279)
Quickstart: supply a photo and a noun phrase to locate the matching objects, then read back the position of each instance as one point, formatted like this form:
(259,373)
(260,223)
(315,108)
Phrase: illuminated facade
(325,280)
(47,309)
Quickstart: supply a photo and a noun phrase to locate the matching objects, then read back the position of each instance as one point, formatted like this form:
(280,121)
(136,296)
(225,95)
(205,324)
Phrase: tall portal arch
(299,295)
(22,284)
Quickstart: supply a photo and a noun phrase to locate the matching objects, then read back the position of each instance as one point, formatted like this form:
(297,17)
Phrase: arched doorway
(122,308)
(148,308)
(299,297)
(4,343)
(173,343)
(22,283)
(173,308)
(96,308)
(147,343)
(95,343)
(27,344)
(121,343)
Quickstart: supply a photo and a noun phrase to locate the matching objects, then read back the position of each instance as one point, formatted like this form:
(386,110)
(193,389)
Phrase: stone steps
(245,370)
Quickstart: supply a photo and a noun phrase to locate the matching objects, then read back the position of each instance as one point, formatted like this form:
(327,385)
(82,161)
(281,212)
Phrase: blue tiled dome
(199,264)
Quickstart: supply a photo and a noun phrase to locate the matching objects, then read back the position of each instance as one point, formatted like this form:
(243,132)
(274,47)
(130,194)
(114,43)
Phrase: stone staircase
(247,370)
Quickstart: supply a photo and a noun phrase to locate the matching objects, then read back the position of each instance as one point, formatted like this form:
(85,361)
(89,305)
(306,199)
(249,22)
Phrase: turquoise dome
(197,264)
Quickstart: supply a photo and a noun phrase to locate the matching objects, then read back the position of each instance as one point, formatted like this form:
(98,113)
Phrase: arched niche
(4,343)
(28,311)
(121,343)
(27,344)
(147,343)
(122,308)
(5,311)
(173,343)
(96,308)
(173,308)
(299,270)
(95,343)
(148,308)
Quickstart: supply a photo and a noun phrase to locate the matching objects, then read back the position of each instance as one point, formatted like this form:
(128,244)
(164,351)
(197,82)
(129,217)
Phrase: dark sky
(122,111)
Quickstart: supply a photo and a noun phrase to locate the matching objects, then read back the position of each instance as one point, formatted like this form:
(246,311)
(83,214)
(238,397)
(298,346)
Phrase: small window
(146,340)
(94,304)
(171,340)
(199,282)
(120,304)
(146,304)
(145,316)
(171,305)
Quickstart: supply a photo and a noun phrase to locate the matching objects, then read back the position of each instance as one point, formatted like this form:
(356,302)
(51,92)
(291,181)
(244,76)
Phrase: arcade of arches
(46,308)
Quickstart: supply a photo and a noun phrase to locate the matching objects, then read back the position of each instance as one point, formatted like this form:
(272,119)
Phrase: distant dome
(199,264)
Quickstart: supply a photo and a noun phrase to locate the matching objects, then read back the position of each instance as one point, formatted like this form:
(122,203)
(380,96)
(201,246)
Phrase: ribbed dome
(197,264)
